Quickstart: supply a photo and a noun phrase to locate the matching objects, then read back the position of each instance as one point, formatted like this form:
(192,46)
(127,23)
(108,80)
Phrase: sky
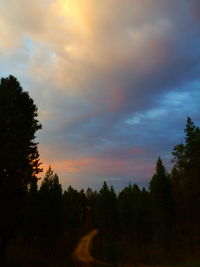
(113,80)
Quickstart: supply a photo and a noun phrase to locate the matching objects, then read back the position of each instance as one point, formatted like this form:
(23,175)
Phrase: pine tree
(19,157)
(162,203)
(74,203)
(106,209)
(187,162)
(51,203)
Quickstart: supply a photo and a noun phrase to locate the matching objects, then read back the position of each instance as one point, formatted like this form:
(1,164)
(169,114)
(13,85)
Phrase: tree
(106,217)
(73,205)
(106,210)
(162,203)
(187,156)
(19,157)
(187,163)
(91,197)
(50,201)
(135,218)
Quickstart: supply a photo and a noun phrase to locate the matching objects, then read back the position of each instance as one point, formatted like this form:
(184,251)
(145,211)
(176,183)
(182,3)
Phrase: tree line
(46,221)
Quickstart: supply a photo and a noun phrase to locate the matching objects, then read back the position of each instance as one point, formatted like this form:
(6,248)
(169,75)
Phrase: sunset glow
(113,81)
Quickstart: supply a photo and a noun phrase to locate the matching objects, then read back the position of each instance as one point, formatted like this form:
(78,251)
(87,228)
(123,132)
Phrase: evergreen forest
(41,223)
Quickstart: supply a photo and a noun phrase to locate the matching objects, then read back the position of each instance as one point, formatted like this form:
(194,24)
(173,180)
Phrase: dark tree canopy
(19,158)
(187,177)
(44,223)
(162,202)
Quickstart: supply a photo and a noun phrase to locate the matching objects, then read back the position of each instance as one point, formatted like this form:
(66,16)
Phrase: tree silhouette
(135,218)
(19,158)
(73,205)
(50,194)
(187,163)
(106,210)
(162,203)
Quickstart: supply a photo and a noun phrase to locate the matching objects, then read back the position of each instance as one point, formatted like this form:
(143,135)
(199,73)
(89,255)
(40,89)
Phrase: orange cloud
(68,166)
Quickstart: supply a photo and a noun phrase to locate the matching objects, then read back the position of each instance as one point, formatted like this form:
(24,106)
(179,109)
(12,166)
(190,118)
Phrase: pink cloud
(69,166)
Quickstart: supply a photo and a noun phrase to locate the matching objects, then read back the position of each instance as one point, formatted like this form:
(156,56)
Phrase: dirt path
(82,251)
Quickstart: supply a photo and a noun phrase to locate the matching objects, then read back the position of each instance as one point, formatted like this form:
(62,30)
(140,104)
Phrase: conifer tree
(106,209)
(187,162)
(50,201)
(19,157)
(162,203)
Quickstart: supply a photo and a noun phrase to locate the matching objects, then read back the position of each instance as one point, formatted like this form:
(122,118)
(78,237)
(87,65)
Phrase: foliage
(50,195)
(162,203)
(19,158)
(41,216)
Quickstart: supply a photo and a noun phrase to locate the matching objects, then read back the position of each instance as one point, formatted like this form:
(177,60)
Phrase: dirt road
(82,254)
(82,251)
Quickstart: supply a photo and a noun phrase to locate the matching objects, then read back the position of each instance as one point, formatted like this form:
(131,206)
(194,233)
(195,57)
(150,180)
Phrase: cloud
(113,80)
